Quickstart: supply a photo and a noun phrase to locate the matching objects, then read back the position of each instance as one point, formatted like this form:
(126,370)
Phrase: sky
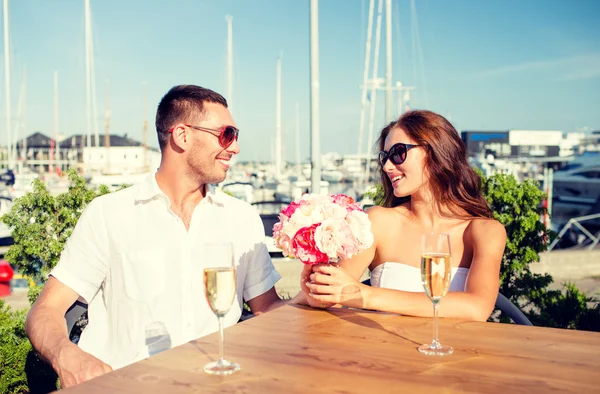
(485,65)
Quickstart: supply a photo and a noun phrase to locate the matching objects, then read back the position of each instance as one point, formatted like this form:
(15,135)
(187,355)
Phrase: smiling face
(206,159)
(410,176)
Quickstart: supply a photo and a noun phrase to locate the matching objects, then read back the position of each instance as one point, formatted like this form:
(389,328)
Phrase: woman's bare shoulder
(386,219)
(487,228)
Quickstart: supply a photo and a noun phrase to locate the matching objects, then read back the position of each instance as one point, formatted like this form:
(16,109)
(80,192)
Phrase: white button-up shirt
(131,258)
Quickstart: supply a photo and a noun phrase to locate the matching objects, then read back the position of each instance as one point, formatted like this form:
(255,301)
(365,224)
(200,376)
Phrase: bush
(41,224)
(21,371)
(518,207)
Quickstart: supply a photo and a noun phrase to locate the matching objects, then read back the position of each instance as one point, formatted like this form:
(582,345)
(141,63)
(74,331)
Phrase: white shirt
(131,258)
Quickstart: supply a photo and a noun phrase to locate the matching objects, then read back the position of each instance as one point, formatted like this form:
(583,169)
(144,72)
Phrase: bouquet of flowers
(320,229)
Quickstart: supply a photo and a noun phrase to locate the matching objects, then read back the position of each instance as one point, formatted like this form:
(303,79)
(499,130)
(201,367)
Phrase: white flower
(328,238)
(361,228)
(333,211)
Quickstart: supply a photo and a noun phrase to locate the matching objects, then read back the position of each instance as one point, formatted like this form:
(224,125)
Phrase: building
(487,142)
(121,155)
(513,143)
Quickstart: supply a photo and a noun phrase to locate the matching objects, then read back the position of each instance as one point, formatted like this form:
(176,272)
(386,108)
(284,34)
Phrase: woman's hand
(330,283)
(308,295)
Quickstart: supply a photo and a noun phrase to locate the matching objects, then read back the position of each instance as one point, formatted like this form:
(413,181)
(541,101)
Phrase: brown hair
(453,181)
(178,104)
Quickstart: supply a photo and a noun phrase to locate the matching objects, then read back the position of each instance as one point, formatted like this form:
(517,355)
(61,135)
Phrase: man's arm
(266,302)
(46,328)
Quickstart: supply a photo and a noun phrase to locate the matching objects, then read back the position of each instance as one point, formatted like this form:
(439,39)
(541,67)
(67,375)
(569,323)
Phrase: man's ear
(180,137)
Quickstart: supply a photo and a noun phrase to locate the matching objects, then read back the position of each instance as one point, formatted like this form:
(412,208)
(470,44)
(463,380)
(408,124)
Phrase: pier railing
(576,222)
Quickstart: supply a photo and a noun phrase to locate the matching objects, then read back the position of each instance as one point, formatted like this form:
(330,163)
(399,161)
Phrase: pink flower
(305,248)
(342,199)
(346,202)
(277,229)
(321,228)
(290,209)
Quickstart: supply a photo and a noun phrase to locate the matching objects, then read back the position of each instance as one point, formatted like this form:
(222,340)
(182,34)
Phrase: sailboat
(110,165)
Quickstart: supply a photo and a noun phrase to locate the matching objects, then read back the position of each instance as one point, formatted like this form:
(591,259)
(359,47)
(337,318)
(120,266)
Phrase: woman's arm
(355,266)
(488,237)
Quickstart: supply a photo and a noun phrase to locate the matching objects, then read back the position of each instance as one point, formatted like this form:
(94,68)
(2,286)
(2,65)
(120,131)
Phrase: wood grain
(300,350)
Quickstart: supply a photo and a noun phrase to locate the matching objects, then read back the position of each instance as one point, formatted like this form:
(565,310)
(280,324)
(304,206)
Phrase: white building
(121,155)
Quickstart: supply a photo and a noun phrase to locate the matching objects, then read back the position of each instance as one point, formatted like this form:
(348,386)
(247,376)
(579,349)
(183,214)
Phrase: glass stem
(221,340)
(436,342)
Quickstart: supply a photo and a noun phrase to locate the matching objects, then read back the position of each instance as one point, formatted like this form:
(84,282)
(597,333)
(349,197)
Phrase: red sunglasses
(226,134)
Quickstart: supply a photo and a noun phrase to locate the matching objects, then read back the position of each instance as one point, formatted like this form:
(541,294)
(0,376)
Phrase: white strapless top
(407,278)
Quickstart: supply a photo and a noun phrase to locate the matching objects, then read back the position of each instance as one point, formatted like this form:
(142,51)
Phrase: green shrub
(41,224)
(21,371)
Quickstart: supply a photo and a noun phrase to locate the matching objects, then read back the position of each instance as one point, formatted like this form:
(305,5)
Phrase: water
(157,338)
(158,343)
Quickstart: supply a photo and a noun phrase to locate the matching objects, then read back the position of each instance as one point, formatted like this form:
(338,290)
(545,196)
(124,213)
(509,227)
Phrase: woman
(428,186)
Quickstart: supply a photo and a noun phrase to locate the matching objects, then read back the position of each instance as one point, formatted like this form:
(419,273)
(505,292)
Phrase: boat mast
(375,82)
(363,106)
(315,147)
(229,20)
(388,57)
(20,124)
(55,155)
(278,156)
(7,82)
(145,128)
(107,127)
(88,89)
(298,167)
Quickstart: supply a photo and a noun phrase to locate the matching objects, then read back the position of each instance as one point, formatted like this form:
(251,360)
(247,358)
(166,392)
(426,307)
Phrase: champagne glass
(435,274)
(219,285)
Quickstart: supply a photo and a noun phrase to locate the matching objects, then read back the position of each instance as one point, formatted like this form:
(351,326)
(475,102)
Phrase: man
(135,255)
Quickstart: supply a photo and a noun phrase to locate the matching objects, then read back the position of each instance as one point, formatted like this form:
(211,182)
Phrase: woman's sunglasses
(396,154)
(226,134)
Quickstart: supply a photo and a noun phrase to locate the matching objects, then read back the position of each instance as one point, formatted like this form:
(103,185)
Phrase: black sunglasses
(396,154)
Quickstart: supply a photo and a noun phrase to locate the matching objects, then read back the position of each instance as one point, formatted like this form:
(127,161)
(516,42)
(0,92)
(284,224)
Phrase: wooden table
(296,349)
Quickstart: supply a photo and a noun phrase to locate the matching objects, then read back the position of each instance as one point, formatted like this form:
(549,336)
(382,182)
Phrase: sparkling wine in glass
(436,272)
(219,286)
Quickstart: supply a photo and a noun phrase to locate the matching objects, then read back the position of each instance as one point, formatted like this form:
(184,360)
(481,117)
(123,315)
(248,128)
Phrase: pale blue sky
(496,64)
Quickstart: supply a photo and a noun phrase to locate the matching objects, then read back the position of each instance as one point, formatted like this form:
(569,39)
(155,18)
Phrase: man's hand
(75,366)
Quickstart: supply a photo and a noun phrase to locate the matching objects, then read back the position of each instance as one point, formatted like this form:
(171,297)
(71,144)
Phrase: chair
(511,310)
(73,314)
(503,304)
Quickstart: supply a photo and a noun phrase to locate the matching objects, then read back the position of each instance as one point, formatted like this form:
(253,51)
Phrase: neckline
(410,266)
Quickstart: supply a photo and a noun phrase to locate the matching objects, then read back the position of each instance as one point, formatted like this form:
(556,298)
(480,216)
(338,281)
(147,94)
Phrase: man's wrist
(57,353)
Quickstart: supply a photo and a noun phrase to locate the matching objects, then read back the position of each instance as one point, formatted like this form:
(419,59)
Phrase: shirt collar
(149,189)
(214,195)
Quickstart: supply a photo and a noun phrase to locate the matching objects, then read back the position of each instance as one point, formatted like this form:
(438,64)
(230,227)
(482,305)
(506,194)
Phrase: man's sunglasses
(226,134)
(396,154)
